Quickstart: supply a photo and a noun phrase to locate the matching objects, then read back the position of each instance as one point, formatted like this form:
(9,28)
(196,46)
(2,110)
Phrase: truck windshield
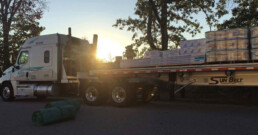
(23,57)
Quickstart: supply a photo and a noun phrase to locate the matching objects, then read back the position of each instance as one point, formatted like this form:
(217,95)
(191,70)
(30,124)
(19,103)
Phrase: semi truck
(57,64)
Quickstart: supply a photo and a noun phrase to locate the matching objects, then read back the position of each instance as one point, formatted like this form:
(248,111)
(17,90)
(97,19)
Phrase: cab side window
(23,58)
(46,56)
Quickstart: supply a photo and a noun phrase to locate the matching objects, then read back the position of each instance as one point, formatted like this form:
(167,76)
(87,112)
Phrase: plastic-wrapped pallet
(238,33)
(152,54)
(126,63)
(254,37)
(210,36)
(232,44)
(135,63)
(242,43)
(177,60)
(228,45)
(211,57)
(254,43)
(254,32)
(170,53)
(184,59)
(185,51)
(254,54)
(170,60)
(197,59)
(215,40)
(191,52)
(202,42)
(201,50)
(156,61)
(221,45)
(221,56)
(232,55)
(221,35)
(145,62)
(186,43)
(242,54)
(211,46)
(193,43)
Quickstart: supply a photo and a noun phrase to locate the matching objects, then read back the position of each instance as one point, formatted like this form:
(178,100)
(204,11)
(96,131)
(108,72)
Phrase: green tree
(130,52)
(244,13)
(160,24)
(19,20)
(23,29)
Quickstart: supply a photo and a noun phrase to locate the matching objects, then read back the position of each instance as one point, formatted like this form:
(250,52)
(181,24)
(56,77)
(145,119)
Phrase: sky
(88,17)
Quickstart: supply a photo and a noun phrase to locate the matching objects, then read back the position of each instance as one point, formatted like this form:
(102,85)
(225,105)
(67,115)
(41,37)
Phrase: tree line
(161,24)
(19,20)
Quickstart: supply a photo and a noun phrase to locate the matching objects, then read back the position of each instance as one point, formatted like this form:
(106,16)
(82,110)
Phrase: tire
(149,94)
(7,92)
(123,95)
(93,94)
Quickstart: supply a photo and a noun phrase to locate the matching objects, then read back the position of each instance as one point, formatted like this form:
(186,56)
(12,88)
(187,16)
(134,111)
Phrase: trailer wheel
(93,95)
(7,92)
(149,94)
(123,95)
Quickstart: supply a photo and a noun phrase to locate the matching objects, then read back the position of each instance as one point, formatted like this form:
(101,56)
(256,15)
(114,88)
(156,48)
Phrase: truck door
(41,64)
(23,62)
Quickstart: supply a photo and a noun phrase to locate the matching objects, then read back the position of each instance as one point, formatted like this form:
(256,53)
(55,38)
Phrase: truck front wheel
(123,95)
(7,92)
(93,94)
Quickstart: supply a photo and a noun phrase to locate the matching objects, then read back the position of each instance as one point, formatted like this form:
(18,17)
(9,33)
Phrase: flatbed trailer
(176,77)
(244,74)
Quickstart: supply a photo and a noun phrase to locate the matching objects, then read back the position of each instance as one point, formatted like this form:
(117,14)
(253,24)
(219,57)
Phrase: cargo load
(219,46)
(254,32)
(191,52)
(227,45)
(254,43)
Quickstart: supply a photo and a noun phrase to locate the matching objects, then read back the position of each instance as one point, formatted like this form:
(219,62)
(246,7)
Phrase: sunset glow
(108,49)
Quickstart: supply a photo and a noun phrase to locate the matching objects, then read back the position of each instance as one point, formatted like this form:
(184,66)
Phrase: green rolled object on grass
(68,112)
(76,103)
(54,114)
(46,116)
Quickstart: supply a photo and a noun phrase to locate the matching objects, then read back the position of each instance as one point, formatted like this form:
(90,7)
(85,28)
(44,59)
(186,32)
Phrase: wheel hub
(91,94)
(6,92)
(119,94)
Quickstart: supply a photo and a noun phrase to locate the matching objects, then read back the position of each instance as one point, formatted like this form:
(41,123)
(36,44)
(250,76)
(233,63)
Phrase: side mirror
(15,67)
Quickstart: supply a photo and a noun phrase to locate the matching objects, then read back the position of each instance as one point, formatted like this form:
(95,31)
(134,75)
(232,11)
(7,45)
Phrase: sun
(107,49)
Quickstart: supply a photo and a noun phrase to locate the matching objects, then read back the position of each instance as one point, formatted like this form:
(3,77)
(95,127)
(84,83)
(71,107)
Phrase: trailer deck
(182,68)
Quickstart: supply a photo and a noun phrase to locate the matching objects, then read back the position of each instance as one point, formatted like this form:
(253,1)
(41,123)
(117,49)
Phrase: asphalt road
(177,118)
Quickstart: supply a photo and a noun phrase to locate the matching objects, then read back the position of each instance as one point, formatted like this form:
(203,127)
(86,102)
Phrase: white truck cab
(44,65)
